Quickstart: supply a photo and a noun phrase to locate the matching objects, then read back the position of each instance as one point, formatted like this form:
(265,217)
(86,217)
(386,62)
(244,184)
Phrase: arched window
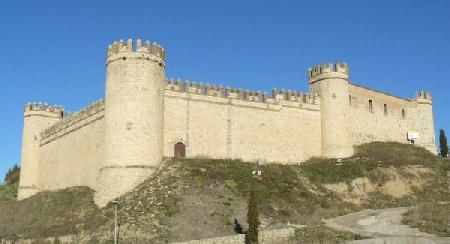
(179,150)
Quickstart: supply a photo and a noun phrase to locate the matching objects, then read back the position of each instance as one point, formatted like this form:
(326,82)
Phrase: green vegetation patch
(394,153)
(8,191)
(330,171)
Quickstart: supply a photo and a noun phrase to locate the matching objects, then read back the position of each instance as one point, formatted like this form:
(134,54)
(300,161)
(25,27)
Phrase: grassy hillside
(200,198)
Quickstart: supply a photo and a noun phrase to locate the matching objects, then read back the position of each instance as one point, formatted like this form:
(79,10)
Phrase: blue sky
(54,51)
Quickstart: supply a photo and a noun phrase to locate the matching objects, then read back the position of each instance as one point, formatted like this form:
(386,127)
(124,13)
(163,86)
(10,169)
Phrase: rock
(262,161)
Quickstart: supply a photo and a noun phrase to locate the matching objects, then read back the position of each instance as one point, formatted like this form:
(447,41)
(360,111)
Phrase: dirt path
(384,226)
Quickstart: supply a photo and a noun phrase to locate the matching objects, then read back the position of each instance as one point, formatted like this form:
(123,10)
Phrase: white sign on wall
(412,135)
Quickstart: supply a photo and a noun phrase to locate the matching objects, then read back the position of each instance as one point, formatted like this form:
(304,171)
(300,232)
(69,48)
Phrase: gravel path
(384,226)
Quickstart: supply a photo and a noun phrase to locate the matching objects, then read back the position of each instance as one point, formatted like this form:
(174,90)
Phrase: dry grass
(430,217)
(47,214)
(154,210)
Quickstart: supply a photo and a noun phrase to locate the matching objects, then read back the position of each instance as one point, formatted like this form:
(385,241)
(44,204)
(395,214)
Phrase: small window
(403,113)
(385,109)
(370,106)
(350,100)
(129,126)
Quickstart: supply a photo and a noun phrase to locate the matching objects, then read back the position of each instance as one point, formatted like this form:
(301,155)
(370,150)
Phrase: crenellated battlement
(39,107)
(208,89)
(117,142)
(136,48)
(75,118)
(424,95)
(330,68)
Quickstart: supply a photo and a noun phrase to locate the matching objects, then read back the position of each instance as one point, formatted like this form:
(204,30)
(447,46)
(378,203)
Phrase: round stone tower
(37,117)
(423,121)
(330,81)
(134,116)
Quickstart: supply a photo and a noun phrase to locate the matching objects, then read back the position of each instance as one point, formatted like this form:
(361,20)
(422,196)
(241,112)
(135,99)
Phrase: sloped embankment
(201,198)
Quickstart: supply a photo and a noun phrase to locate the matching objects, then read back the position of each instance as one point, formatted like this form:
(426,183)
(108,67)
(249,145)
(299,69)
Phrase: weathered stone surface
(113,144)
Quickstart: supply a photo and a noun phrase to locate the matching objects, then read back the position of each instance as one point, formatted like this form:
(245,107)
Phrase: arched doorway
(180,150)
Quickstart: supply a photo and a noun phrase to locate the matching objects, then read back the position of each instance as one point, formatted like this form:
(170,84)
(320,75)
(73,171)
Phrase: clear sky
(54,51)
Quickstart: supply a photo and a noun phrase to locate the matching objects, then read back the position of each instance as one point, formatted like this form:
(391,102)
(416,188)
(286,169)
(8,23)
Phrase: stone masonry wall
(390,118)
(72,150)
(376,125)
(221,126)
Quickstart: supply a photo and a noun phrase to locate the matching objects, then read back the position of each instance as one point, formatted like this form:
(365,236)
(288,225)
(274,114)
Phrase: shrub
(253,219)
(443,144)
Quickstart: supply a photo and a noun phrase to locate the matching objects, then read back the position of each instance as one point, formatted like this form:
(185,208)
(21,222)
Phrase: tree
(13,175)
(443,143)
(251,236)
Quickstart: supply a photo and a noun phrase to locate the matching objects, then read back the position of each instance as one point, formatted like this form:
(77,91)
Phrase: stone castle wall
(117,142)
(389,118)
(216,126)
(374,124)
(71,151)
(223,124)
(284,128)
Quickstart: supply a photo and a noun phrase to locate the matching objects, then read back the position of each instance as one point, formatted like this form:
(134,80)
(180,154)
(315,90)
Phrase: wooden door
(180,150)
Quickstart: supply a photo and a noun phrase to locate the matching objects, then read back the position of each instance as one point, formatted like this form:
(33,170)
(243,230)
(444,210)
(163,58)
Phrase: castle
(117,142)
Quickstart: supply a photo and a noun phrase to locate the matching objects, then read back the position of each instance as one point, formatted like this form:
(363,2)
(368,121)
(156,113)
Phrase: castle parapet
(424,97)
(129,49)
(208,89)
(44,109)
(72,119)
(324,70)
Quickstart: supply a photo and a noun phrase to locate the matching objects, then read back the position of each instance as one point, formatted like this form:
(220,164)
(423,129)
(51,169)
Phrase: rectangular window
(403,113)
(385,109)
(370,106)
(350,100)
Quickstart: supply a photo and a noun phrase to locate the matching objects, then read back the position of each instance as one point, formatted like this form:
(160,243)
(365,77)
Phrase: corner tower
(134,116)
(424,122)
(37,117)
(330,81)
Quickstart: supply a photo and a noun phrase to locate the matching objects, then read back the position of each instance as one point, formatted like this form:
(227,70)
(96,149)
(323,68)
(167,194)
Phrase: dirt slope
(199,198)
